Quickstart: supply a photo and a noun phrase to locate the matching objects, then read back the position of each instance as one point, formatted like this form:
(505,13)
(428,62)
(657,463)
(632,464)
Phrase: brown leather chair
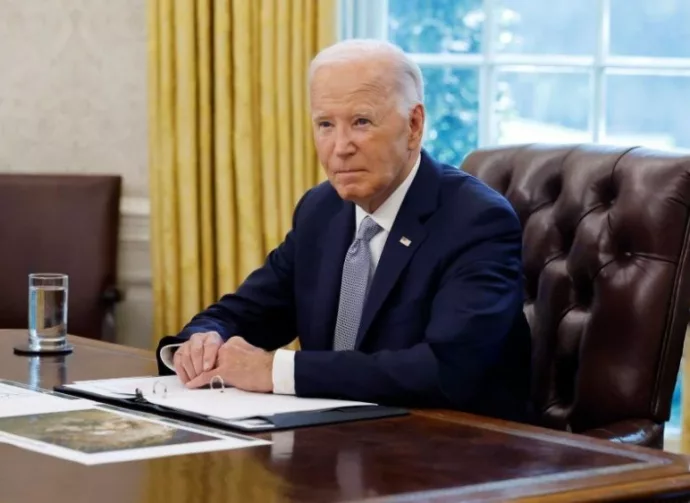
(607,282)
(67,224)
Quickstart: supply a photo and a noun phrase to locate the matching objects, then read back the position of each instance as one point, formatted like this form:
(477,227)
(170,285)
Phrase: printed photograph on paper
(96,431)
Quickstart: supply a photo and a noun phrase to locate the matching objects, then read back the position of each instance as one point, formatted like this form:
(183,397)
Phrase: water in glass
(47,313)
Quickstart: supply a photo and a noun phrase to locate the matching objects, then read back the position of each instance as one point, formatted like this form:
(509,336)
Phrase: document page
(224,403)
(19,401)
(127,386)
(86,432)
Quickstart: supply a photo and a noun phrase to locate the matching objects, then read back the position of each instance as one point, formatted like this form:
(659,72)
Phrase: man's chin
(352,193)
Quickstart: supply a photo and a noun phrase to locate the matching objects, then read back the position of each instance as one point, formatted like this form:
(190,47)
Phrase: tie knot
(368,229)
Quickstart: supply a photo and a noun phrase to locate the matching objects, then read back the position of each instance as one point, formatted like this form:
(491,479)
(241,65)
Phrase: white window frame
(369,19)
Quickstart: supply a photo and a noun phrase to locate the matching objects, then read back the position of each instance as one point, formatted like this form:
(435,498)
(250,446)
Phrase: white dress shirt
(284,360)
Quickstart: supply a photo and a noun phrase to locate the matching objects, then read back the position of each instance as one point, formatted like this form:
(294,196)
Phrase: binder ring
(220,379)
(165,388)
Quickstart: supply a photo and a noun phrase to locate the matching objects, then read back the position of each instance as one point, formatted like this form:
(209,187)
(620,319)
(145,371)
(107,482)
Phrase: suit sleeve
(262,310)
(472,315)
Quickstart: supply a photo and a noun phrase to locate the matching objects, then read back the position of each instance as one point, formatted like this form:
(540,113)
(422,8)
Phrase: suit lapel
(393,260)
(407,234)
(334,245)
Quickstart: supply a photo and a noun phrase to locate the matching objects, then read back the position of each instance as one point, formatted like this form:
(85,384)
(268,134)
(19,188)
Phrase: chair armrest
(631,431)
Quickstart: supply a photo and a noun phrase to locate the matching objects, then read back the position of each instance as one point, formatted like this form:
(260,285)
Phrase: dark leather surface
(59,223)
(631,431)
(606,267)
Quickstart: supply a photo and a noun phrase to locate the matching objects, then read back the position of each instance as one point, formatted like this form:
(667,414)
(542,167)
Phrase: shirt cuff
(166,355)
(284,372)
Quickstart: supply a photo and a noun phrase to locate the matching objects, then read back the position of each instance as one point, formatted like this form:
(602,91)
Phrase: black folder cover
(257,424)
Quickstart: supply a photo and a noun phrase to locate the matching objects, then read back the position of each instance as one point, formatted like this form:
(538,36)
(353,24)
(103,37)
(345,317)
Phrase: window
(559,71)
(553,71)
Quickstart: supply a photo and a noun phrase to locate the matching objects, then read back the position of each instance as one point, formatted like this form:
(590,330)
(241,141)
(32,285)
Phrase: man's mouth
(346,171)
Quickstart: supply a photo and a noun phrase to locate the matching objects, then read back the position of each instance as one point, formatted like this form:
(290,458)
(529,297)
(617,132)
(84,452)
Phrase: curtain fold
(230,147)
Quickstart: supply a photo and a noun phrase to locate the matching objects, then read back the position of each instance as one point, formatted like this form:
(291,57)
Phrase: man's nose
(343,143)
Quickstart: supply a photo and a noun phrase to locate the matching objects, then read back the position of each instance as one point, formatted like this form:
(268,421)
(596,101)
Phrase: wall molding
(135,280)
(135,313)
(134,246)
(135,206)
(135,220)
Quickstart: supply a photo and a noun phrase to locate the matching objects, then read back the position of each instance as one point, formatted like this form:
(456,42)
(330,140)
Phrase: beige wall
(73,99)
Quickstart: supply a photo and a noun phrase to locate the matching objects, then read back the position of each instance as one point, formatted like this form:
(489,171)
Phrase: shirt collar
(386,213)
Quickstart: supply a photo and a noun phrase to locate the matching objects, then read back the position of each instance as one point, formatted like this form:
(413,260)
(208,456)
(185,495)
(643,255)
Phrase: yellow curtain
(230,140)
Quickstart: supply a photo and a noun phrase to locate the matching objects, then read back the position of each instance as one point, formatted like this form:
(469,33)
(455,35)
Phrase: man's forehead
(360,99)
(352,72)
(328,86)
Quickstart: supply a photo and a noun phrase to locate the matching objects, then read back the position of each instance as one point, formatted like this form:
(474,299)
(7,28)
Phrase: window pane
(676,404)
(659,28)
(543,107)
(452,105)
(434,26)
(553,27)
(648,110)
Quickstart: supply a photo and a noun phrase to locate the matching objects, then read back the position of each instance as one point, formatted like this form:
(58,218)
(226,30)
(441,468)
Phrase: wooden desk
(428,456)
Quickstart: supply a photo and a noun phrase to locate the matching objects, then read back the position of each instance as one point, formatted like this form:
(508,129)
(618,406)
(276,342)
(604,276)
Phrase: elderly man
(401,276)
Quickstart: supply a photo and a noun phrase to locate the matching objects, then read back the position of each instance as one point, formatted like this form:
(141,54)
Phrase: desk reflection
(354,468)
(290,469)
(47,371)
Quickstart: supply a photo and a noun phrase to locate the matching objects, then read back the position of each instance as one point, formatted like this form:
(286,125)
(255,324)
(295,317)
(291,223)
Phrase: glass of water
(47,312)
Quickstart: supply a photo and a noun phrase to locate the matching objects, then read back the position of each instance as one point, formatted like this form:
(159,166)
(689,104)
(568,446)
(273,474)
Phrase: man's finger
(196,352)
(179,368)
(187,365)
(210,353)
(200,380)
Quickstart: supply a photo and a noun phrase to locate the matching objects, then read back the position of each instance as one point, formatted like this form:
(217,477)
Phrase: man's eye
(324,124)
(362,121)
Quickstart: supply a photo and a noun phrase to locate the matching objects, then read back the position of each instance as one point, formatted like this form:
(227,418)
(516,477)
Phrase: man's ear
(416,124)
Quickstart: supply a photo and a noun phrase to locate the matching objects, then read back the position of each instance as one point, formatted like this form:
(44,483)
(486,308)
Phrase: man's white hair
(408,76)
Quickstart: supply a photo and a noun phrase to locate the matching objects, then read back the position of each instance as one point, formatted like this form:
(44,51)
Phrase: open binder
(223,407)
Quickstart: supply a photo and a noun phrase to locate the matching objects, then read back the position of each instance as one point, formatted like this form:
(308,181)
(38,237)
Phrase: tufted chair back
(607,285)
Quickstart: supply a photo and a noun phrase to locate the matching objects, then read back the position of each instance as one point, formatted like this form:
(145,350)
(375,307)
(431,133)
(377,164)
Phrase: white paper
(236,404)
(87,433)
(18,401)
(129,385)
(7,391)
(126,387)
(227,403)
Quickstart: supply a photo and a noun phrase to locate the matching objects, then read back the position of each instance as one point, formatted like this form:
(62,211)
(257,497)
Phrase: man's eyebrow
(364,110)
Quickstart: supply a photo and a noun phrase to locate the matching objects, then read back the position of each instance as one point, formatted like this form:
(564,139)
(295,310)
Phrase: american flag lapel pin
(405,242)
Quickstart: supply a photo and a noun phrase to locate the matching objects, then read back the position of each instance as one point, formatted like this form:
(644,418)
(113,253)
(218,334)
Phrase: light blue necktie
(358,270)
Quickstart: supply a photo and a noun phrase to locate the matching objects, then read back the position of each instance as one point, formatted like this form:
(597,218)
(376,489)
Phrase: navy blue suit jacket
(443,323)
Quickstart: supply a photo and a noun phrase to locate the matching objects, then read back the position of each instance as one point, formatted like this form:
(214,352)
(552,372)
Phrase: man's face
(363,141)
